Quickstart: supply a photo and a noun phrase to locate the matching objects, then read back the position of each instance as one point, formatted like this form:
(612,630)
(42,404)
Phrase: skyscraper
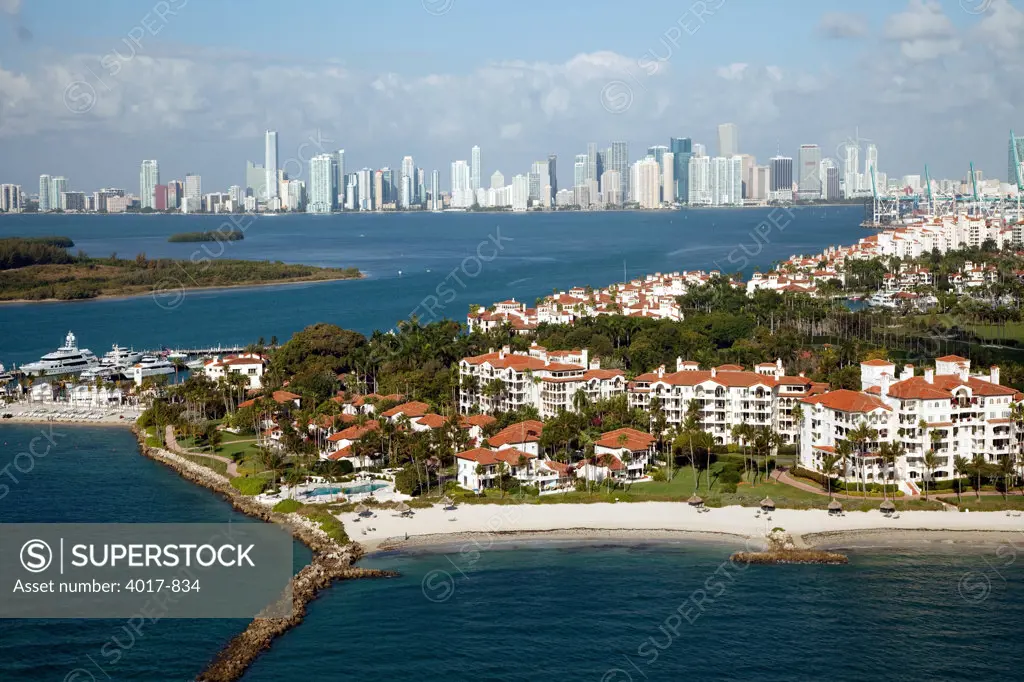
(647,183)
(435,191)
(462,191)
(58,185)
(474,169)
(520,192)
(539,175)
(1015,158)
(782,178)
(728,140)
(10,198)
(829,180)
(682,150)
(406,180)
(270,163)
(255,180)
(339,178)
(851,178)
(809,182)
(658,152)
(553,173)
(580,170)
(321,184)
(44,194)
(620,163)
(149,178)
(592,161)
(668,181)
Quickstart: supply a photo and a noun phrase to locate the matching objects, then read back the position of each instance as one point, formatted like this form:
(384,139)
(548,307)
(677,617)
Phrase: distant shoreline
(170,292)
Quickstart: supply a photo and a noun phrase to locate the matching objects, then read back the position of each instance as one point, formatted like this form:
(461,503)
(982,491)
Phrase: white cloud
(733,72)
(923,31)
(840,25)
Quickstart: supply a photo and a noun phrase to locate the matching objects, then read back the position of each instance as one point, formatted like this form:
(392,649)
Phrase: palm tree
(272,461)
(844,451)
(829,467)
(931,461)
(961,467)
(1007,467)
(798,420)
(580,401)
(978,467)
(862,436)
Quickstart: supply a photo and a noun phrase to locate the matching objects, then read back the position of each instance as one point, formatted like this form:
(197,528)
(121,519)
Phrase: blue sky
(433,77)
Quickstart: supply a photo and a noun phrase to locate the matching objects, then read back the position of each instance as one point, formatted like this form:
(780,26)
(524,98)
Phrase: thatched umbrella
(767,504)
(888,507)
(447,502)
(403,508)
(363,510)
(834,507)
(695,500)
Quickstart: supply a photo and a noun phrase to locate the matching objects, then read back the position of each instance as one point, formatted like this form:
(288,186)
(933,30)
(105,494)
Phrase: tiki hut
(834,507)
(767,504)
(888,507)
(403,509)
(363,510)
(695,501)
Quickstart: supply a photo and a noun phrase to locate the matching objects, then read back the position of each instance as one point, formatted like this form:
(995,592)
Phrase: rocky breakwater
(331,562)
(781,549)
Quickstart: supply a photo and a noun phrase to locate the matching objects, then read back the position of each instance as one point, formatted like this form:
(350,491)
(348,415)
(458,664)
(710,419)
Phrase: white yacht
(115,364)
(68,359)
(150,366)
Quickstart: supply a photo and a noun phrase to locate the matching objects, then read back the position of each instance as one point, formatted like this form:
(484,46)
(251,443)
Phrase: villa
(249,365)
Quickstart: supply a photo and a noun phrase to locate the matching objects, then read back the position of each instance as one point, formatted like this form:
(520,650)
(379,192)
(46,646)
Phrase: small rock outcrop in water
(331,562)
(782,550)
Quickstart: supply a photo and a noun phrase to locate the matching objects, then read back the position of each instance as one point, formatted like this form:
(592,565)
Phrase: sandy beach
(43,413)
(667,520)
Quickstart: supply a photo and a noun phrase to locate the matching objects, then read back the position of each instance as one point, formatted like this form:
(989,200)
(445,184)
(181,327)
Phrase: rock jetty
(782,550)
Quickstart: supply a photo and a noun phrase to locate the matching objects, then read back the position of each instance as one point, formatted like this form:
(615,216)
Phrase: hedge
(840,486)
(287,506)
(249,485)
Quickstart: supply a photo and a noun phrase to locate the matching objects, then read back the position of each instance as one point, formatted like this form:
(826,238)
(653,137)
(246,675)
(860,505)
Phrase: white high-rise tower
(149,178)
(270,165)
(474,169)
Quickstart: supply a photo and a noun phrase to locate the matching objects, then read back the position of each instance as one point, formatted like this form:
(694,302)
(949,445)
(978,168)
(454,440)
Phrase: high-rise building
(870,163)
(339,178)
(256,180)
(668,180)
(474,168)
(829,180)
(809,182)
(10,198)
(728,140)
(620,163)
(462,191)
(160,197)
(175,193)
(58,185)
(364,185)
(539,179)
(520,192)
(758,183)
(378,189)
(580,168)
(322,189)
(1014,175)
(44,194)
(72,201)
(192,201)
(149,178)
(646,183)
(611,195)
(435,190)
(658,152)
(407,178)
(782,179)
(553,173)
(851,162)
(682,150)
(270,163)
(699,181)
(592,161)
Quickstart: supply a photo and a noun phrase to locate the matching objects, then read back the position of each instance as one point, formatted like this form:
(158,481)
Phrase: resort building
(503,381)
(249,365)
(725,396)
(946,410)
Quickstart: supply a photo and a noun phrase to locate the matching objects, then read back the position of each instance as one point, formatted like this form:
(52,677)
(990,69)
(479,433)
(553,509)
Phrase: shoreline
(183,290)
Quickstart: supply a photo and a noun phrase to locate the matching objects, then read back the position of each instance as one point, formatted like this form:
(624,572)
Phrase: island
(42,269)
(210,236)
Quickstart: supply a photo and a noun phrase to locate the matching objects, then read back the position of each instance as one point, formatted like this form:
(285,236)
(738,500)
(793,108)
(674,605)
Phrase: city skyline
(569,93)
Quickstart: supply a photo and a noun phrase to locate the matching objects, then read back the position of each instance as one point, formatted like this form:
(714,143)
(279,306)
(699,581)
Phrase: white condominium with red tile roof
(250,365)
(503,381)
(969,415)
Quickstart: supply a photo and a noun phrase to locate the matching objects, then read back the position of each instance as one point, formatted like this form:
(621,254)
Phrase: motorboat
(150,366)
(68,359)
(114,365)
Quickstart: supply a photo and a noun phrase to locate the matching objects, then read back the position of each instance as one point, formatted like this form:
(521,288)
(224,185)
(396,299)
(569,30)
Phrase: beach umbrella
(403,508)
(767,504)
(695,500)
(447,501)
(834,506)
(362,510)
(888,506)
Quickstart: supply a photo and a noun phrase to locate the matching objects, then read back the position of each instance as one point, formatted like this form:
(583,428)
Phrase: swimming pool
(354,490)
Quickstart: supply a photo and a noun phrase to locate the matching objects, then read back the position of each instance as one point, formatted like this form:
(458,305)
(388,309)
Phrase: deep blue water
(538,252)
(96,475)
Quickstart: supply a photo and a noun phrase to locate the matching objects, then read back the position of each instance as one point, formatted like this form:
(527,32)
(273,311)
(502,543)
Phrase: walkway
(784,477)
(172,445)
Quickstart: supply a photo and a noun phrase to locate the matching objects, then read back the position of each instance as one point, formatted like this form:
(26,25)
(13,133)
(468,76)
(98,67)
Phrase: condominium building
(10,198)
(149,178)
(945,410)
(503,381)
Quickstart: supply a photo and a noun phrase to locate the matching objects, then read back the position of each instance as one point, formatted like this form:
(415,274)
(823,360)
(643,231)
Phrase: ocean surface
(458,259)
(478,611)
(96,475)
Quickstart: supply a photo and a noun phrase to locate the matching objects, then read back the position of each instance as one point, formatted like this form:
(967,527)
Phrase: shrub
(249,485)
(287,506)
(658,475)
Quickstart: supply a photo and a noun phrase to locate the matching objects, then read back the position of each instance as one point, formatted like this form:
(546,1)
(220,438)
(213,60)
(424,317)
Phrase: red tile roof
(635,440)
(484,456)
(524,432)
(411,409)
(847,401)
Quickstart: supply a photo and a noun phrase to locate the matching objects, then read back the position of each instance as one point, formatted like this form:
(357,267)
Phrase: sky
(89,89)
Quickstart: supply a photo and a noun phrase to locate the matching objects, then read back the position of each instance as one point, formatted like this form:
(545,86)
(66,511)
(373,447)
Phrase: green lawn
(986,503)
(208,462)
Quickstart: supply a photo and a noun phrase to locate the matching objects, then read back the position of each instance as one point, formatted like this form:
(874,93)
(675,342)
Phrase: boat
(68,359)
(198,363)
(116,364)
(177,355)
(150,366)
